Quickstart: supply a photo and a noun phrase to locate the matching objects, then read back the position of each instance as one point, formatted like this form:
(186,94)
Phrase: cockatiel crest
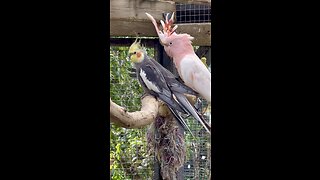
(136,52)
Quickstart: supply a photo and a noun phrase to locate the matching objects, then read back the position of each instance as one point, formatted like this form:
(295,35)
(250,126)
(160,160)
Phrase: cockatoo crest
(167,30)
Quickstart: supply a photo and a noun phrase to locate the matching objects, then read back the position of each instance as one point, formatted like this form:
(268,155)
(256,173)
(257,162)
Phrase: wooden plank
(135,10)
(128,41)
(204,2)
(200,31)
(127,18)
(132,28)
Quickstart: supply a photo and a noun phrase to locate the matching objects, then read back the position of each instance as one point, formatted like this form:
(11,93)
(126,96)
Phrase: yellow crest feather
(135,46)
(136,51)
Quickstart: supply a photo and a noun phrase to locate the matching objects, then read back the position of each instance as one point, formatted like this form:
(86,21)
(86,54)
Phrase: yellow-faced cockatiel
(161,83)
(190,68)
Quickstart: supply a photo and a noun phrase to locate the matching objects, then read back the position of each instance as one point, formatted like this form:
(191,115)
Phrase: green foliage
(127,146)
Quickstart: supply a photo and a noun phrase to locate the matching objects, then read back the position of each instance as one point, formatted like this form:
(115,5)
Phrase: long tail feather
(180,120)
(190,109)
(204,121)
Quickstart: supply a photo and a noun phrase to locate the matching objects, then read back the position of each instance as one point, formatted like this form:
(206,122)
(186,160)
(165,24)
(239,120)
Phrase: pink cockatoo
(190,68)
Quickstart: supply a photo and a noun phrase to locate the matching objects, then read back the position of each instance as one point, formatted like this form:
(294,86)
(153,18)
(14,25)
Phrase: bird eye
(135,52)
(170,43)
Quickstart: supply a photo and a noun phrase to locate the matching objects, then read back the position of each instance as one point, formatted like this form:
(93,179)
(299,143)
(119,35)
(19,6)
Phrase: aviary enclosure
(132,148)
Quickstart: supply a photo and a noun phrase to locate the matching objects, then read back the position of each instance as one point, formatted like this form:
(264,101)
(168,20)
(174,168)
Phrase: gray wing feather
(189,108)
(173,81)
(180,120)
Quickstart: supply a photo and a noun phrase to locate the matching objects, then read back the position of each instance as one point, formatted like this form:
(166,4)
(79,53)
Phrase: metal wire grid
(198,161)
(192,13)
(128,151)
(198,158)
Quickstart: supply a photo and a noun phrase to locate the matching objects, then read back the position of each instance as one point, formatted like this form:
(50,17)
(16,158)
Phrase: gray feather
(180,120)
(190,109)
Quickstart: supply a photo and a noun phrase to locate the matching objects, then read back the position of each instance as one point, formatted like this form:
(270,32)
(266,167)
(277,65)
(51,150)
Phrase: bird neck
(179,53)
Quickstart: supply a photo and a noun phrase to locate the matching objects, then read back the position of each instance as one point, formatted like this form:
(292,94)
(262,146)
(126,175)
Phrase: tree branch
(149,110)
(145,116)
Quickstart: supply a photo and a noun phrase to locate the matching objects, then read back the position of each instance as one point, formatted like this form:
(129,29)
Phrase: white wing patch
(148,83)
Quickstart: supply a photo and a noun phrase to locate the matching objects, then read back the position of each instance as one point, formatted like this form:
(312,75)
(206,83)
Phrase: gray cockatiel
(161,83)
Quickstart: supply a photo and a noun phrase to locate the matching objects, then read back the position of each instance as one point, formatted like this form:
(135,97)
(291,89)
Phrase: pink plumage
(190,68)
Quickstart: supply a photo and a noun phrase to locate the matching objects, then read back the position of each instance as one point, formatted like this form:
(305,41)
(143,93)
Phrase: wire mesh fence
(198,160)
(129,158)
(192,13)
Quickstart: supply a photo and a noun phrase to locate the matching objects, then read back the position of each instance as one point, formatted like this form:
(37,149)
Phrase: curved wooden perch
(150,108)
(137,119)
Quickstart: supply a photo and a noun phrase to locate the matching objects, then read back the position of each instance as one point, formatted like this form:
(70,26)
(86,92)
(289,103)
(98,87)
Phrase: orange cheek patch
(138,55)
